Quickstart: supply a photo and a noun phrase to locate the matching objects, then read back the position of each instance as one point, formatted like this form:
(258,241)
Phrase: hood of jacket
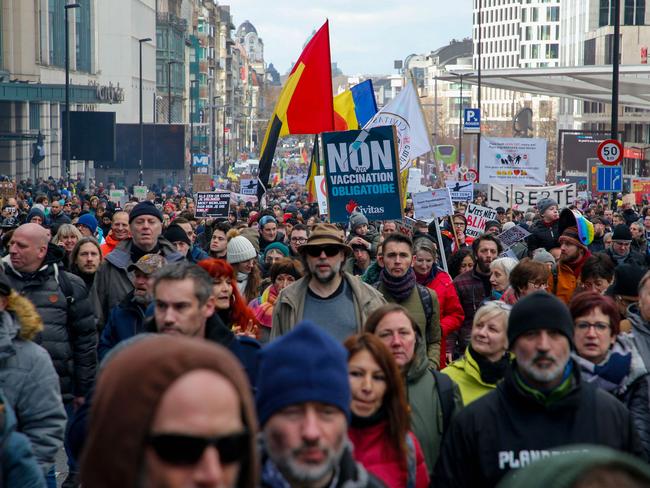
(19,321)
(420,362)
(639,325)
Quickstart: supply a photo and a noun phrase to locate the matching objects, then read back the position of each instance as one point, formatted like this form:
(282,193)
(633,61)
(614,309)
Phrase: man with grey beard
(539,408)
(335,300)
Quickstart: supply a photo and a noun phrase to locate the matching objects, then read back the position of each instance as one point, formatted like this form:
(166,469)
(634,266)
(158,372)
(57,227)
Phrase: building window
(56,27)
(534,14)
(34,116)
(83,35)
(552,14)
(534,51)
(552,51)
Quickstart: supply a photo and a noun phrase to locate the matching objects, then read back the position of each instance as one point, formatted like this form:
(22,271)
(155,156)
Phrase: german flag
(305,105)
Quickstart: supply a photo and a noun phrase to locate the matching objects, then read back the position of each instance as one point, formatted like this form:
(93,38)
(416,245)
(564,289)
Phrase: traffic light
(38,149)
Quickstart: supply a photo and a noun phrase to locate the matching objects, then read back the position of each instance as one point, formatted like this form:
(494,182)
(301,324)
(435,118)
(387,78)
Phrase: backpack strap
(427,305)
(65,284)
(445,389)
(411,462)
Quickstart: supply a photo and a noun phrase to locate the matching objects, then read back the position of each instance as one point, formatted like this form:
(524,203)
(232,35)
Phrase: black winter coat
(69,333)
(508,429)
(543,236)
(637,400)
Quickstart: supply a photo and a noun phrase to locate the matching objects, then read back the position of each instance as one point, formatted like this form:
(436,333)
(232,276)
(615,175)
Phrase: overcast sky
(365,35)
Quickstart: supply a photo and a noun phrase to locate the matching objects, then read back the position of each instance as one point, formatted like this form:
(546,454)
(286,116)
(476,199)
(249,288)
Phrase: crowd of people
(275,349)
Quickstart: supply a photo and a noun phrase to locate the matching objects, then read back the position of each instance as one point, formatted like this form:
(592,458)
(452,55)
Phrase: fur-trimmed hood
(26,321)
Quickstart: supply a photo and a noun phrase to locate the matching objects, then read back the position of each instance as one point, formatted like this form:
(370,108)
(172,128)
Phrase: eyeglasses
(299,240)
(622,243)
(330,251)
(600,327)
(185,450)
(538,286)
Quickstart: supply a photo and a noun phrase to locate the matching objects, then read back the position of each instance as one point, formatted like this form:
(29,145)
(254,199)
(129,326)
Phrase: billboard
(92,137)
(576,147)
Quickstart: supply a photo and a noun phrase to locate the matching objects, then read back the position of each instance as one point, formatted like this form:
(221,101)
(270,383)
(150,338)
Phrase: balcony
(167,18)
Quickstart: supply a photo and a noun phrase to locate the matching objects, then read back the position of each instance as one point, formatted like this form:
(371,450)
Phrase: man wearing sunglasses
(335,300)
(188,419)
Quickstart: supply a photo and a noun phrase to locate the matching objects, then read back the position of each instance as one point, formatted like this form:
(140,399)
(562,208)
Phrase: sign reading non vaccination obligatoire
(477,217)
(431,204)
(362,175)
(212,204)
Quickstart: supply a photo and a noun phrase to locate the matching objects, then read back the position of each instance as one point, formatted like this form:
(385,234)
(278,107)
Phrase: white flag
(405,114)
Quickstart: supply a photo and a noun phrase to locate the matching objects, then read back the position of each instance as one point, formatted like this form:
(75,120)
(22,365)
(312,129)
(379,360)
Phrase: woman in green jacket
(486,358)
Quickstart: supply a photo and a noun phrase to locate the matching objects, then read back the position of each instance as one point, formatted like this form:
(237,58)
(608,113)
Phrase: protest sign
(299,179)
(526,197)
(212,204)
(118,197)
(321,194)
(513,161)
(512,236)
(414,184)
(7,189)
(237,197)
(248,186)
(476,217)
(461,191)
(363,175)
(140,192)
(431,204)
(509,253)
(201,183)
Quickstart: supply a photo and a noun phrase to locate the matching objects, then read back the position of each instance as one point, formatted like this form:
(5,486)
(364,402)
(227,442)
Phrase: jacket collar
(9,329)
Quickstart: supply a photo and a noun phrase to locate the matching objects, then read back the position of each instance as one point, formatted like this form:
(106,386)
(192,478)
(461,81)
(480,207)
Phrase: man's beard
(324,279)
(543,375)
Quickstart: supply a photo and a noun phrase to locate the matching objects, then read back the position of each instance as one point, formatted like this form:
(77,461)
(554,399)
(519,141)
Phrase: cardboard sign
(477,217)
(201,183)
(362,174)
(513,161)
(461,191)
(248,186)
(431,204)
(321,193)
(212,204)
(526,197)
(140,192)
(512,236)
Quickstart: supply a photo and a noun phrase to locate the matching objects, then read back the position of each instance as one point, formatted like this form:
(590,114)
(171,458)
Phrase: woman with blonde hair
(66,238)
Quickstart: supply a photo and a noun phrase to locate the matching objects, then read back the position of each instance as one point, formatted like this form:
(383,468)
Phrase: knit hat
(145,208)
(539,310)
(305,365)
(278,246)
(492,223)
(88,220)
(240,249)
(621,233)
(267,219)
(35,212)
(626,280)
(570,236)
(507,226)
(175,233)
(544,204)
(541,255)
(357,219)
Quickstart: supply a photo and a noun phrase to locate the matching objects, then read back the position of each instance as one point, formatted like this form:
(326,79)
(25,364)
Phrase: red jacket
(451,311)
(375,451)
(109,244)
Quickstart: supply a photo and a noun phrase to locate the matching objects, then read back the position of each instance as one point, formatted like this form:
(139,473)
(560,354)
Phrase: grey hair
(505,264)
(492,309)
(184,270)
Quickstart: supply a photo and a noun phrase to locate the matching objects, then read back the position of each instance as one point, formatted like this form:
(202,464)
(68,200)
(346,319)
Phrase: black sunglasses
(330,251)
(185,450)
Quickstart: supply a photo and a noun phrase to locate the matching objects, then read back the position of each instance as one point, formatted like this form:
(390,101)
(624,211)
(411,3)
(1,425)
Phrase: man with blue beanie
(303,404)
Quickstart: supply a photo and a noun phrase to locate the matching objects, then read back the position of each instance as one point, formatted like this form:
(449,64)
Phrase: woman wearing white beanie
(241,255)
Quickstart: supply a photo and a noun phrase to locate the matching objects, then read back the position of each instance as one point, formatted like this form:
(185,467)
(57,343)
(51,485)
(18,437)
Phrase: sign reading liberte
(362,174)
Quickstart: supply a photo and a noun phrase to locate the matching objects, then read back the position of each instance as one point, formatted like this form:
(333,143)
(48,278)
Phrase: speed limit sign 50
(610,152)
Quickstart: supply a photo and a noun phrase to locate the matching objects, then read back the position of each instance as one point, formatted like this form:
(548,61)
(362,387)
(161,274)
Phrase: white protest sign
(513,235)
(476,217)
(526,197)
(140,192)
(118,197)
(248,186)
(508,253)
(414,184)
(321,193)
(236,197)
(513,161)
(460,191)
(430,204)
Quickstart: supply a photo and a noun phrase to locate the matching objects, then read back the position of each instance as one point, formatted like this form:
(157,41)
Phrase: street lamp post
(141,178)
(616,47)
(67,91)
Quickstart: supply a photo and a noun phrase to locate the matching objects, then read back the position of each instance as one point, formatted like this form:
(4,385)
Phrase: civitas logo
(370,210)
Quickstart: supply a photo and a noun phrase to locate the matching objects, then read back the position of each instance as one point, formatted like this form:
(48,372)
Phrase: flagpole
(426,124)
(316,150)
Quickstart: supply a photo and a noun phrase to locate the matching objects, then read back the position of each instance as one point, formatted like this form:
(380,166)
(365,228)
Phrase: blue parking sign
(471,120)
(609,179)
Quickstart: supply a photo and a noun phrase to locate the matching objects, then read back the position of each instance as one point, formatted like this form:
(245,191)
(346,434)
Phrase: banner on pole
(363,175)
(526,197)
(513,161)
(477,217)
(212,204)
(431,204)
(460,191)
(321,194)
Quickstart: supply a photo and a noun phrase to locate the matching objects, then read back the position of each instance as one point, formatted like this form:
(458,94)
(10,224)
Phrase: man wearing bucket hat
(335,300)
(541,405)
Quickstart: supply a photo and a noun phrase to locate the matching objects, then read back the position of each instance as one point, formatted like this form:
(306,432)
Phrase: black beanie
(539,310)
(175,233)
(144,208)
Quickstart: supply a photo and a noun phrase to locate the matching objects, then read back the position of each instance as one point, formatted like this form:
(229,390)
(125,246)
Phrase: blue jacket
(18,466)
(125,320)
(197,254)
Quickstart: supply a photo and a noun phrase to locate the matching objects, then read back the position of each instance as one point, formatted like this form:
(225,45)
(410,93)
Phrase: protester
(545,231)
(283,273)
(57,217)
(597,273)
(454,239)
(621,252)
(179,238)
(500,270)
(379,430)
(639,241)
(195,253)
(433,398)
(362,233)
(127,317)
(36,216)
(218,247)
(624,290)
(486,359)
(573,256)
(335,300)
(273,253)
(527,277)
(303,403)
(85,260)
(610,360)
(473,287)
(541,405)
(67,237)
(297,238)
(598,244)
(360,261)
(269,232)
(428,274)
(87,225)
(242,256)
(187,419)
(460,262)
